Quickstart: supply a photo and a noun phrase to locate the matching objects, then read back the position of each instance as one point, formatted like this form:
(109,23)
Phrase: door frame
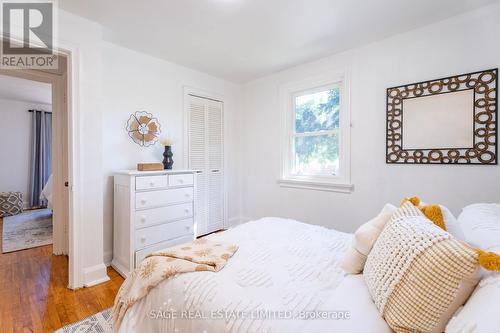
(72,53)
(189,90)
(74,135)
(60,140)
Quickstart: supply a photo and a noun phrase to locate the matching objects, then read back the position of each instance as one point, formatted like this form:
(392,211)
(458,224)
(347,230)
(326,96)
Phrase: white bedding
(282,266)
(47,193)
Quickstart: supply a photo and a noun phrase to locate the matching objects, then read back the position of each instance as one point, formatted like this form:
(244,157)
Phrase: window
(315,136)
(315,152)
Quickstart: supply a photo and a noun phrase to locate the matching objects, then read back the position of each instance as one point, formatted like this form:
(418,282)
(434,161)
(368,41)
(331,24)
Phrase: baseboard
(120,268)
(108,257)
(95,275)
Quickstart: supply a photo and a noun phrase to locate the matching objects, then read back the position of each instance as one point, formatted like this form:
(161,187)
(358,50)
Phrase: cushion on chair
(11,203)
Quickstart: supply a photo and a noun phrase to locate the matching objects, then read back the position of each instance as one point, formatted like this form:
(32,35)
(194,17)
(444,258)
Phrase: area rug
(98,323)
(26,230)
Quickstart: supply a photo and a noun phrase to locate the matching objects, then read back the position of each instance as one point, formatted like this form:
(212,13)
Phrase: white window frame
(340,182)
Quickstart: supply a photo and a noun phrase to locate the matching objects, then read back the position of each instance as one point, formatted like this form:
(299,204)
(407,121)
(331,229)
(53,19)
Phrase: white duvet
(47,193)
(283,278)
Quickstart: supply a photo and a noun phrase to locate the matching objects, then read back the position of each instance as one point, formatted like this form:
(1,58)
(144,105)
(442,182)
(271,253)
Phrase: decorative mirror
(449,120)
(143,128)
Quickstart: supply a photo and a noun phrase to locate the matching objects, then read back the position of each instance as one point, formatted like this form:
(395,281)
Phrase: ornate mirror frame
(483,148)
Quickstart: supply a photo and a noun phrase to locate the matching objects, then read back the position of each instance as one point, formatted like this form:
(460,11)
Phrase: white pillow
(353,261)
(364,238)
(480,313)
(481,226)
(451,223)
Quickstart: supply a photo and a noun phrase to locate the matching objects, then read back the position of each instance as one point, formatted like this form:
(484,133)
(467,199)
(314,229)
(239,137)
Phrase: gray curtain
(41,154)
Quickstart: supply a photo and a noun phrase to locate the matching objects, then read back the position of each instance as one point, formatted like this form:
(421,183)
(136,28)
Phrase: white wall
(15,147)
(84,38)
(136,82)
(112,82)
(462,44)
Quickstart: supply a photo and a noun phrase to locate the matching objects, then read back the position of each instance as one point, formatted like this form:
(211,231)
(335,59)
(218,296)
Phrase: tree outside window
(316,132)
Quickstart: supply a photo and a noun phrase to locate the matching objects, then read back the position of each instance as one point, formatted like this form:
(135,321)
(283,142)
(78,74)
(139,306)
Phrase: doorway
(26,174)
(48,196)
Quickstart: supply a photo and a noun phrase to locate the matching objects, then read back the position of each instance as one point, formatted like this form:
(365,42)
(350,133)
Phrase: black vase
(167,158)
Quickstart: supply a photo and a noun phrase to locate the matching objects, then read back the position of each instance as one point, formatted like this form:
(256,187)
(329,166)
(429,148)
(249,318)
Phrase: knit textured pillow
(418,274)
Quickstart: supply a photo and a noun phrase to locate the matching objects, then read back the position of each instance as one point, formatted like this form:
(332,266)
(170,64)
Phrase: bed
(47,193)
(285,277)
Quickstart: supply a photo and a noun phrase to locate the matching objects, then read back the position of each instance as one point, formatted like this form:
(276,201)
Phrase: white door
(206,153)
(60,165)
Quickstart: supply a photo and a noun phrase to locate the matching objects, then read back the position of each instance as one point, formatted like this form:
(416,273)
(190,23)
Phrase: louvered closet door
(215,166)
(206,149)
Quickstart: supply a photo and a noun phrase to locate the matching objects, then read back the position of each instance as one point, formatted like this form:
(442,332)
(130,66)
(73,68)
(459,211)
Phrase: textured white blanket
(283,271)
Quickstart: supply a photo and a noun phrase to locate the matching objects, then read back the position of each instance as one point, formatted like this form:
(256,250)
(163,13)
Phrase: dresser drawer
(151,182)
(140,255)
(152,199)
(148,217)
(180,180)
(163,232)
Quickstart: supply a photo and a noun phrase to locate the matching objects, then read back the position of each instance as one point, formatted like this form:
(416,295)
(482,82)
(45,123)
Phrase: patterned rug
(26,230)
(98,323)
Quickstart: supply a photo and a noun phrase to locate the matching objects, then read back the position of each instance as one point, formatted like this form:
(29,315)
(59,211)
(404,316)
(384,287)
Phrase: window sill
(316,185)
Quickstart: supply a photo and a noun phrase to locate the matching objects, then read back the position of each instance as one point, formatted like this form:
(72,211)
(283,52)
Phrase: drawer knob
(143,219)
(151,184)
(187,195)
(143,201)
(181,181)
(188,227)
(186,211)
(143,239)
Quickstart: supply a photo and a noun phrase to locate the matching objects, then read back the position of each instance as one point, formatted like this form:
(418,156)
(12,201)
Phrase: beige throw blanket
(199,255)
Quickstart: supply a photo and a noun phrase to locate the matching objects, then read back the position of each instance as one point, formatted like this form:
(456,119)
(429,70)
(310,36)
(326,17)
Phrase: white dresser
(152,210)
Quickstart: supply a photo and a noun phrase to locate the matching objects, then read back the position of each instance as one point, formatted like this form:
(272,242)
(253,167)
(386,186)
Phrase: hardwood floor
(34,296)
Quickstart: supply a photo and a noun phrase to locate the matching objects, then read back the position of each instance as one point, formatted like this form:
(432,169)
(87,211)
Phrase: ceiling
(241,40)
(25,90)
